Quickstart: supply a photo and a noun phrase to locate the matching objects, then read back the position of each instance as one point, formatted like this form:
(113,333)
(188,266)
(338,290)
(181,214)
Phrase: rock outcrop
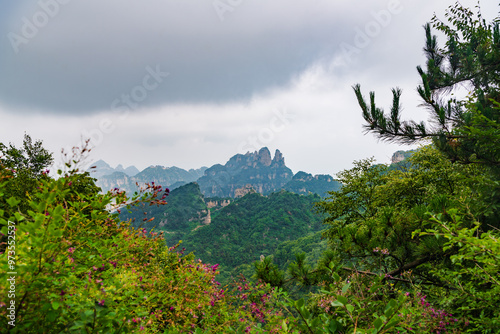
(255,170)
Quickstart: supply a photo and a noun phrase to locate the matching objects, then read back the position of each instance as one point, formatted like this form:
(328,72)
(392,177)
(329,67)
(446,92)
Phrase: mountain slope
(252,226)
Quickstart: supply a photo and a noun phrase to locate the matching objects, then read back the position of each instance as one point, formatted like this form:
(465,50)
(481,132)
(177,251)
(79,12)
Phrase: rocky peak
(256,169)
(278,158)
(264,156)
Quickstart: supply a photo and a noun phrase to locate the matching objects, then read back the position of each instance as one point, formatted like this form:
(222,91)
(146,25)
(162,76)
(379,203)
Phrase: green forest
(233,236)
(407,248)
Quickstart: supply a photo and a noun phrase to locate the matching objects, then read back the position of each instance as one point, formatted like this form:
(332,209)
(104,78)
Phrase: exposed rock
(211,203)
(257,169)
(397,157)
(278,159)
(240,192)
(264,156)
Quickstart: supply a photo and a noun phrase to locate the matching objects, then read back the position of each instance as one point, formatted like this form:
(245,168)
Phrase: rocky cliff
(242,172)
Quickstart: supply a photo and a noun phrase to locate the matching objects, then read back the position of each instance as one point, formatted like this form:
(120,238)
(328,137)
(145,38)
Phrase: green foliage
(465,130)
(267,271)
(454,225)
(303,183)
(32,159)
(252,226)
(373,216)
(185,211)
(401,235)
(25,166)
(473,278)
(312,245)
(79,270)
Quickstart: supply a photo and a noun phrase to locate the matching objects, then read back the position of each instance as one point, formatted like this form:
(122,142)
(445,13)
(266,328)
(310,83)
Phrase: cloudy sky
(189,83)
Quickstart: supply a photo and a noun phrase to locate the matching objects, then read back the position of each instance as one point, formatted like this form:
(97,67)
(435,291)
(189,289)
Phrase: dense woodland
(406,249)
(234,235)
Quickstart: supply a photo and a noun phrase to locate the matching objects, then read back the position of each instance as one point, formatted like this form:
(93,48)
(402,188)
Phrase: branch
(387,276)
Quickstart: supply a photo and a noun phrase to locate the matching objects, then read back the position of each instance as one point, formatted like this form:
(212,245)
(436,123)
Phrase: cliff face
(246,171)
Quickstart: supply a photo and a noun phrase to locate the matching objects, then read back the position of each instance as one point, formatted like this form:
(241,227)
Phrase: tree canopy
(465,130)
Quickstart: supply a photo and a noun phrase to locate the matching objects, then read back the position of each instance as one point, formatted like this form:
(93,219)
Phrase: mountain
(130,170)
(172,177)
(244,172)
(400,161)
(304,183)
(100,168)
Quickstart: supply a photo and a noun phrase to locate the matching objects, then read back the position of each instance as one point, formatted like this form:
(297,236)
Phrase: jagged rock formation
(256,170)
(400,160)
(217,203)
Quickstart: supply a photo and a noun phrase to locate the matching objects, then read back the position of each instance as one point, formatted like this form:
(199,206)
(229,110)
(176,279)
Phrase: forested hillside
(226,231)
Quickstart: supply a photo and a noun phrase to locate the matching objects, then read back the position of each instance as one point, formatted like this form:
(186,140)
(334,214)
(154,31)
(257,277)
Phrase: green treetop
(465,130)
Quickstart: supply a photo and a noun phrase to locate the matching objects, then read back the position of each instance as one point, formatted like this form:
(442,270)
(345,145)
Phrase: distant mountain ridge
(256,170)
(101,168)
(241,174)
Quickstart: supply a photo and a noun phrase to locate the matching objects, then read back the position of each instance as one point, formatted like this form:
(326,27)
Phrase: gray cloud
(226,78)
(92,52)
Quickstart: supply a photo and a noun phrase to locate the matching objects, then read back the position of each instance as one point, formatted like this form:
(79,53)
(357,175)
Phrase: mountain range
(241,174)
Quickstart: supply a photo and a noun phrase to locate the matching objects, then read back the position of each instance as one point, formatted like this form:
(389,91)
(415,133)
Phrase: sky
(190,83)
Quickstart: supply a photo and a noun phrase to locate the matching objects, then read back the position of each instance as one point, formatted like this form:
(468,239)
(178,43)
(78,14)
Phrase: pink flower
(71,250)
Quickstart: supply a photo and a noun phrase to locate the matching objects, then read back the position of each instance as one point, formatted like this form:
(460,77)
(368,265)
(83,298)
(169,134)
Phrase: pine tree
(465,130)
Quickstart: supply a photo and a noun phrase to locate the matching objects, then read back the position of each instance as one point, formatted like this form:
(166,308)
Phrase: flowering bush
(79,269)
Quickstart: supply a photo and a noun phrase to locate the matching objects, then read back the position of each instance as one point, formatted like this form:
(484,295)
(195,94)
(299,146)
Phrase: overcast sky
(190,83)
